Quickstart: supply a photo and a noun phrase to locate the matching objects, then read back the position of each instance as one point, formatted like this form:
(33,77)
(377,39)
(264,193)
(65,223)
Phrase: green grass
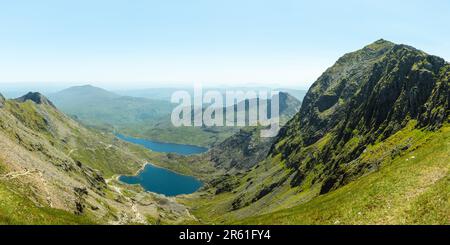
(16,209)
(410,189)
(410,186)
(27,113)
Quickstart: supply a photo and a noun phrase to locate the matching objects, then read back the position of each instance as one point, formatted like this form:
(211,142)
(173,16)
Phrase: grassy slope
(55,141)
(88,146)
(410,188)
(18,209)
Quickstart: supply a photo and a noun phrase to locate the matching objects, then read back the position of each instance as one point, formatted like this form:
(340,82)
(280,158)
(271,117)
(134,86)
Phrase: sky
(145,43)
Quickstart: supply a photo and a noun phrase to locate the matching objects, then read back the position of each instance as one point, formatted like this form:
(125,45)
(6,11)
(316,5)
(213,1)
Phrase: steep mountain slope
(53,170)
(412,188)
(366,97)
(358,121)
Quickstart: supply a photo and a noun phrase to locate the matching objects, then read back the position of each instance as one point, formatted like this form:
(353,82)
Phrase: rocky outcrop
(2,101)
(36,97)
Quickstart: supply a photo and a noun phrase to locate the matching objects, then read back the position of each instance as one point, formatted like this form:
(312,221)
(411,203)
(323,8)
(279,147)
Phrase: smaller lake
(165,147)
(163,181)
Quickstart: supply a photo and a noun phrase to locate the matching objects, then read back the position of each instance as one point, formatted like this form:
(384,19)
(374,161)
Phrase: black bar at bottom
(126,235)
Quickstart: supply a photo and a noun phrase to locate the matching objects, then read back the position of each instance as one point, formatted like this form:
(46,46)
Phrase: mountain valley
(368,144)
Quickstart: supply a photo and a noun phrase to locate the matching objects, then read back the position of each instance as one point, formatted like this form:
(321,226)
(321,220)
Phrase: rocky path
(26,172)
(138,217)
(13,175)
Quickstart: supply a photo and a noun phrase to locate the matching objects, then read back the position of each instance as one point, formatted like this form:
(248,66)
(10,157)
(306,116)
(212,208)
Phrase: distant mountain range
(166,93)
(143,117)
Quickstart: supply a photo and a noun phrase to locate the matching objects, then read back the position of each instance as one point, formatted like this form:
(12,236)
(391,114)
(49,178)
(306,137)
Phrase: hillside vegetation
(369,145)
(53,170)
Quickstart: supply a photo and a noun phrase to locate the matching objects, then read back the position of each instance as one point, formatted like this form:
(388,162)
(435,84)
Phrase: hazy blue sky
(287,43)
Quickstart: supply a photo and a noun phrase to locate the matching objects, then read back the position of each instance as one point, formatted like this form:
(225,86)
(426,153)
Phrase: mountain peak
(85,91)
(36,97)
(379,45)
(383,41)
(87,87)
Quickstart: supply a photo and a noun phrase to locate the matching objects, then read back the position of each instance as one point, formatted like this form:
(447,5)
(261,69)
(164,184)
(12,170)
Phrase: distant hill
(98,107)
(85,93)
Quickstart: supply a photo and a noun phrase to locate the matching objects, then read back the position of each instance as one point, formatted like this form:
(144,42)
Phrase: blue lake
(165,147)
(163,181)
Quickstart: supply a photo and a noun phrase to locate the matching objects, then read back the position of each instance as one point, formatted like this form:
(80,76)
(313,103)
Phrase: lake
(165,147)
(163,181)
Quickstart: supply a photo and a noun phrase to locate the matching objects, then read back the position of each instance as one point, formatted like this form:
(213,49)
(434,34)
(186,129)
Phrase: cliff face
(367,96)
(377,89)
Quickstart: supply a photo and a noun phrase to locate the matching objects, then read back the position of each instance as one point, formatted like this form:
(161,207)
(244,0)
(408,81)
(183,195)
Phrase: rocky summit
(36,98)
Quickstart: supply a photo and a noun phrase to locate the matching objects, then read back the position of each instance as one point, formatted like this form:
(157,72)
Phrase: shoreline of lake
(163,147)
(161,180)
(156,166)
